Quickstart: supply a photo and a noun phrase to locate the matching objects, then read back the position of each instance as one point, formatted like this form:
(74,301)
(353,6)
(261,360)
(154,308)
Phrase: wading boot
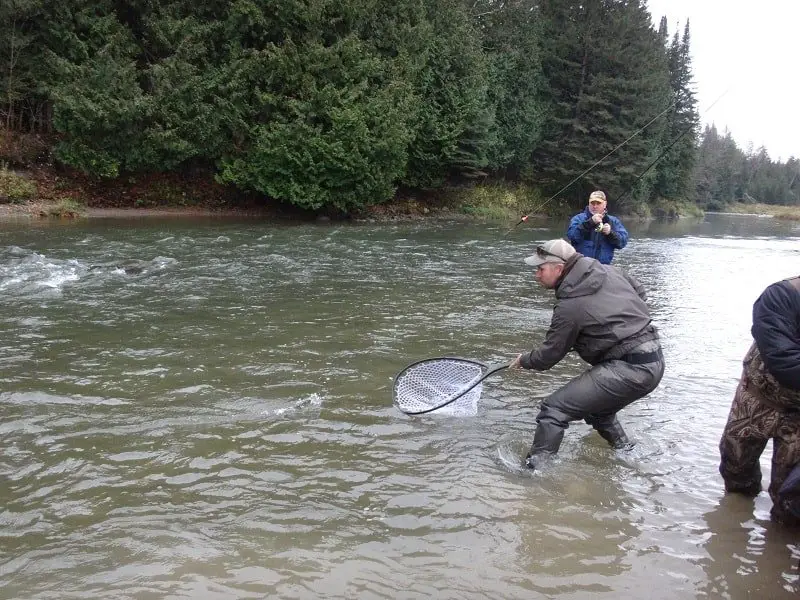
(615,436)
(787,507)
(530,463)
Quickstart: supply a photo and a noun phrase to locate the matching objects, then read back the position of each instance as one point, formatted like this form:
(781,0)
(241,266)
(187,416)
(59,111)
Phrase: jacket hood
(583,279)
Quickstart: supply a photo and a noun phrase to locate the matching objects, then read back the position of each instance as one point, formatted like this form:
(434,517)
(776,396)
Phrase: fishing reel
(599,227)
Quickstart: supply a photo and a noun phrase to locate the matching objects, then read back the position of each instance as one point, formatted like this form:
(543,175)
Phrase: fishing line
(525,217)
(667,149)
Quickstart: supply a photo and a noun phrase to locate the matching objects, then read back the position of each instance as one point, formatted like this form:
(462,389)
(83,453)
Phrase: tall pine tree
(675,169)
(608,78)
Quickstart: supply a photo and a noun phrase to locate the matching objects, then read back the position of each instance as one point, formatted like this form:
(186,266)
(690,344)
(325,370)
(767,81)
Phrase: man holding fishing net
(600,313)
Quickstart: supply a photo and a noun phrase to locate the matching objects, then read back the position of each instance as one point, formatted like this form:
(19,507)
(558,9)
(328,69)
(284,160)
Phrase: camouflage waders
(762,410)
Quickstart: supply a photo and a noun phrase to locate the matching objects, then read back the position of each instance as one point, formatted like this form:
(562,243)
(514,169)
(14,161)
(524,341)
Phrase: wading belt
(642,358)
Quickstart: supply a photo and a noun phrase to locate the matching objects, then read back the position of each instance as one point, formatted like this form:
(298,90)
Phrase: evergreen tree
(334,103)
(705,184)
(511,38)
(675,169)
(455,119)
(327,123)
(22,104)
(663,34)
(99,108)
(608,78)
(181,71)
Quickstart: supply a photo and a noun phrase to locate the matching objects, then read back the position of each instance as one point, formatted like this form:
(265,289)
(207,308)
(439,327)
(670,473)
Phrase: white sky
(749,50)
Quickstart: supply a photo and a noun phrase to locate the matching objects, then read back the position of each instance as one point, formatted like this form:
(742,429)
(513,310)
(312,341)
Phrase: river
(201,408)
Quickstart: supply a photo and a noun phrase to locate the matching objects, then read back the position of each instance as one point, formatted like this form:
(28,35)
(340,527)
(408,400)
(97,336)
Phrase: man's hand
(606,229)
(597,218)
(516,364)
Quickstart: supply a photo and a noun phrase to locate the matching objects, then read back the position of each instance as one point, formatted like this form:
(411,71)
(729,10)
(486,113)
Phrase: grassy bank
(31,185)
(504,201)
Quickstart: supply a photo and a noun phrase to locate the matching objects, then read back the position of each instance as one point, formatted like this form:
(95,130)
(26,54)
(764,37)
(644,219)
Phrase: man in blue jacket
(767,405)
(595,233)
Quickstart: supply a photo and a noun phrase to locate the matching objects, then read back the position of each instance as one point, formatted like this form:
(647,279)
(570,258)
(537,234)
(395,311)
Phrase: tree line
(325,103)
(726,174)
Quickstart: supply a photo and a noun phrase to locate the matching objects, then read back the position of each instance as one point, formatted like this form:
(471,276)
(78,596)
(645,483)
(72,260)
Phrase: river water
(202,409)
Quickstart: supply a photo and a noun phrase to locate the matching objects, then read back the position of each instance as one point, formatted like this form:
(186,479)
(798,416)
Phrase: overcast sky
(749,50)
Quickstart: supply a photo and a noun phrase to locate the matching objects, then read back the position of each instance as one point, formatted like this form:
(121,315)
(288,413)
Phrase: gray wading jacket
(600,313)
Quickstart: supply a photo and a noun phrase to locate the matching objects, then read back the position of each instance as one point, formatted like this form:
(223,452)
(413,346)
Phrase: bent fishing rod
(525,217)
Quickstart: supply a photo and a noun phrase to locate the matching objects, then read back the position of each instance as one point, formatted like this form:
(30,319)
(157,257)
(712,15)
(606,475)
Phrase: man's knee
(601,421)
(553,415)
(740,476)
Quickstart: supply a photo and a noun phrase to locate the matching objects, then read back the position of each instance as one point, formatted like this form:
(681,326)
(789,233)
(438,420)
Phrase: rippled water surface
(202,409)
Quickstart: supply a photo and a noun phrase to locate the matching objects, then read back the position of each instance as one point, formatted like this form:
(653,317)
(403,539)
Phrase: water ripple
(203,410)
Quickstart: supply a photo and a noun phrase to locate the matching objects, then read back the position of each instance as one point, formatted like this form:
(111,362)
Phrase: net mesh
(431,383)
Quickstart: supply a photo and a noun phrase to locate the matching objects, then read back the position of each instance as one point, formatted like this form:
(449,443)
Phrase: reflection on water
(747,556)
(203,409)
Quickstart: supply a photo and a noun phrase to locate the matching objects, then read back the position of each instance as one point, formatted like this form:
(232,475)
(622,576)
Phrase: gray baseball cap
(552,251)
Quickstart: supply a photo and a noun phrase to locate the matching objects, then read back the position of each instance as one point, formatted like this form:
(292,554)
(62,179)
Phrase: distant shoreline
(40,210)
(59,201)
(740,214)
(776,211)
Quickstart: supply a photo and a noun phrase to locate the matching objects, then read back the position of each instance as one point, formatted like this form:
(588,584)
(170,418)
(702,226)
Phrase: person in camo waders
(767,405)
(595,233)
(600,313)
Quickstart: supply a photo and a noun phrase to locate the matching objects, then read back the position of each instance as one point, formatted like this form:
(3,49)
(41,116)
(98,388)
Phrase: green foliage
(726,174)
(606,70)
(14,188)
(187,115)
(345,163)
(335,103)
(22,102)
(99,104)
(517,91)
(333,138)
(673,173)
(453,131)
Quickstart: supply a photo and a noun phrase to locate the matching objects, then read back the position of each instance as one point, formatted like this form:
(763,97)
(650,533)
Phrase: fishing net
(451,385)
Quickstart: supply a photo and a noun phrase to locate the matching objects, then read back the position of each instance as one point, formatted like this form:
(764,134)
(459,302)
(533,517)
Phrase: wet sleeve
(559,340)
(777,334)
(576,227)
(618,237)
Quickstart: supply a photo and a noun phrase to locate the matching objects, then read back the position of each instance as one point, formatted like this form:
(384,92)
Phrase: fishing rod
(525,217)
(546,202)
(667,149)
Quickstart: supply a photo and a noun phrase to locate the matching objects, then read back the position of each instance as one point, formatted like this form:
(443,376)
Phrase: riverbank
(33,187)
(789,213)
(46,192)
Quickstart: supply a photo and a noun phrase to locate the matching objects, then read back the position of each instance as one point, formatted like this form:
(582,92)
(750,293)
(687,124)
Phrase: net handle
(491,370)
